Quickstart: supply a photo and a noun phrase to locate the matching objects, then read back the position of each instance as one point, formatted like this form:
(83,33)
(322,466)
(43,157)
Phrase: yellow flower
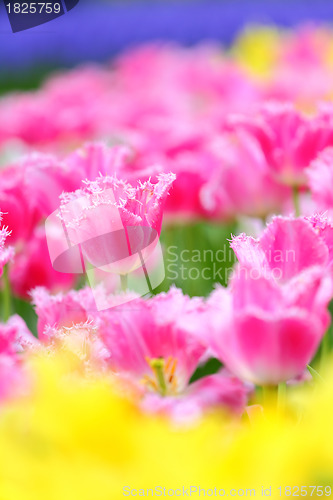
(257,50)
(77,437)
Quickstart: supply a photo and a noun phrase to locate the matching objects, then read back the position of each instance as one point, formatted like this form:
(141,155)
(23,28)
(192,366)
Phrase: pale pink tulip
(324,228)
(286,248)
(15,338)
(95,159)
(146,344)
(301,52)
(136,334)
(320,175)
(264,333)
(149,342)
(290,140)
(30,190)
(61,310)
(116,225)
(6,253)
(32,267)
(269,324)
(143,333)
(65,110)
(219,391)
(240,181)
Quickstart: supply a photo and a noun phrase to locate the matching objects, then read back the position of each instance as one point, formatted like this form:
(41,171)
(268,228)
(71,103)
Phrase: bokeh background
(96,30)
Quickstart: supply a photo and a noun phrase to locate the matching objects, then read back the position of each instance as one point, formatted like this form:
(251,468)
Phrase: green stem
(282,396)
(6,295)
(296,201)
(315,374)
(124,282)
(270,395)
(325,349)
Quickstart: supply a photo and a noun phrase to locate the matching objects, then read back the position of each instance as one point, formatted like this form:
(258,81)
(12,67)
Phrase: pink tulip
(269,324)
(222,390)
(6,253)
(320,175)
(61,310)
(116,225)
(68,322)
(306,45)
(149,342)
(145,332)
(95,159)
(289,140)
(15,338)
(324,228)
(135,334)
(146,344)
(167,86)
(302,52)
(30,190)
(287,248)
(289,85)
(32,267)
(62,112)
(264,333)
(241,182)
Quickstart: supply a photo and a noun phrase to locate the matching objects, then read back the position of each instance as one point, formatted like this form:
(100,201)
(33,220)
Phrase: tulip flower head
(268,325)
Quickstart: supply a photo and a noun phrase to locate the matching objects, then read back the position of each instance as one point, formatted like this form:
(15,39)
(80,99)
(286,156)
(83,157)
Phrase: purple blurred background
(95,30)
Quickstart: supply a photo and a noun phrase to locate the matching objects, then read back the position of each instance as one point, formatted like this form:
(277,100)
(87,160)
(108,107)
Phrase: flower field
(166,262)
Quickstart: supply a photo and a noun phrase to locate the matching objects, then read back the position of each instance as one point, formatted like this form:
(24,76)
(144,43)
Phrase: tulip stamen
(164,380)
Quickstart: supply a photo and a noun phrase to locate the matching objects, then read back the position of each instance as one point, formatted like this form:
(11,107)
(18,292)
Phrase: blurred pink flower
(289,85)
(30,190)
(324,228)
(221,390)
(286,250)
(306,45)
(6,253)
(65,322)
(63,111)
(320,175)
(61,310)
(96,158)
(302,52)
(132,332)
(290,140)
(32,267)
(15,338)
(168,85)
(148,342)
(188,155)
(241,182)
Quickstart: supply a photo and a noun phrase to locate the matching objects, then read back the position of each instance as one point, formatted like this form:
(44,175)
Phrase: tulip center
(163,380)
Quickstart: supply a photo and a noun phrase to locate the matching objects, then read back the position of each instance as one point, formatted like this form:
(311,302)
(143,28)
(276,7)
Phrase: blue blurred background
(95,30)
